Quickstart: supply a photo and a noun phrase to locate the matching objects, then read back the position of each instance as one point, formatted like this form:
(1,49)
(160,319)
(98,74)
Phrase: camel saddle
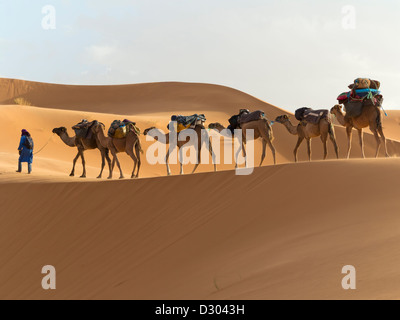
(131,126)
(253,116)
(311,116)
(82,129)
(354,108)
(117,130)
(187,122)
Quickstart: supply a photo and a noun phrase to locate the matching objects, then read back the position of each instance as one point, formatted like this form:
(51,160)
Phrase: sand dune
(215,236)
(130,99)
(284,232)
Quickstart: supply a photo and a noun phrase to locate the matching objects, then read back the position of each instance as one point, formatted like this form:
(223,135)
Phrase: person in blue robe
(25,151)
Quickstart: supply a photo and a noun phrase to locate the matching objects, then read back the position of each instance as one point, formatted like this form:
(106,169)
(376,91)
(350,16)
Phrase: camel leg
(380,130)
(121,174)
(360,136)
(296,149)
(115,160)
(324,139)
(243,150)
(166,161)
(74,163)
(103,163)
(83,164)
(135,160)
(198,161)
(112,169)
(378,142)
(213,157)
(264,146)
(137,148)
(349,131)
(110,166)
(309,149)
(271,146)
(266,140)
(181,161)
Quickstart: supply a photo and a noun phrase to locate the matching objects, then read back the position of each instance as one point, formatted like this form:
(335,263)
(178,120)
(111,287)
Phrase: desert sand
(284,232)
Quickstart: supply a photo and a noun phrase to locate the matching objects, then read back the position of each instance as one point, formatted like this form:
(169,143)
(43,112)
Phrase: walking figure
(25,151)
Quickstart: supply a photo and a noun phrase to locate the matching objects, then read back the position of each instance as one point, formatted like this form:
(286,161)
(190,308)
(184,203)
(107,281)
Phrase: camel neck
(291,128)
(67,139)
(340,117)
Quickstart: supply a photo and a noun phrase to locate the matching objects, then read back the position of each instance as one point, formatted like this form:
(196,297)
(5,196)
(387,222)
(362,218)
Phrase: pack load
(364,92)
(120,129)
(82,129)
(117,130)
(311,116)
(131,126)
(244,116)
(253,116)
(188,122)
(363,83)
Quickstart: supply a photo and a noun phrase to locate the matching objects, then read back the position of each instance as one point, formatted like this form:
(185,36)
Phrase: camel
(83,144)
(261,128)
(370,117)
(128,144)
(155,133)
(308,131)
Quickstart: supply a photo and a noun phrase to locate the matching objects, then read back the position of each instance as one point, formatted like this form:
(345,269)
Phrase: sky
(292,54)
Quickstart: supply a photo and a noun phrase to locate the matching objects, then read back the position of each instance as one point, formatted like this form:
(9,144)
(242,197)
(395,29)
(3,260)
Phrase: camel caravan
(362,109)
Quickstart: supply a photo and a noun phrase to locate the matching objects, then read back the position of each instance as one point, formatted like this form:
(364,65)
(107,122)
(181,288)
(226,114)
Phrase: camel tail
(331,131)
(379,120)
(140,146)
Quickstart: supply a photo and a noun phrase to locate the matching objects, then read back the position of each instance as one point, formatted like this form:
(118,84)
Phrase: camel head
(336,109)
(216,126)
(282,119)
(146,132)
(59,131)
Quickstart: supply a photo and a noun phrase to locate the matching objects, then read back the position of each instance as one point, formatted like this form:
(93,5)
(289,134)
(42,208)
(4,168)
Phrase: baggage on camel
(82,129)
(234,121)
(131,126)
(354,108)
(364,92)
(118,130)
(311,116)
(363,83)
(357,94)
(253,116)
(244,116)
(188,122)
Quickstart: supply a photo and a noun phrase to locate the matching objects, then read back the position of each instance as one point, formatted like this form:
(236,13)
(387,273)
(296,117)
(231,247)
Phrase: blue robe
(26,154)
